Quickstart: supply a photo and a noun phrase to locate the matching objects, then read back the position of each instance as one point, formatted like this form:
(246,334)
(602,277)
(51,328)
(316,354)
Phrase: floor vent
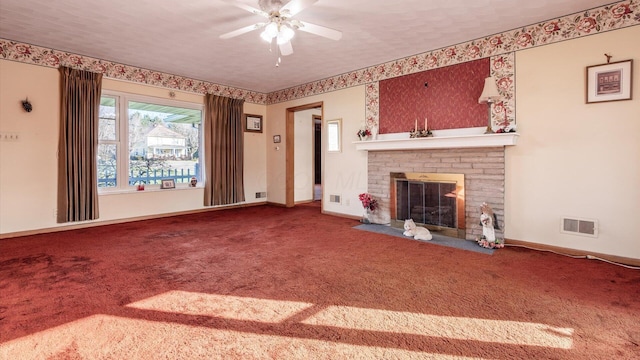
(334,199)
(578,226)
(260,195)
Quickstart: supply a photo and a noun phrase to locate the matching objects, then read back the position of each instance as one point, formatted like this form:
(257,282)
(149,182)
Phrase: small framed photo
(253,123)
(276,139)
(168,184)
(609,82)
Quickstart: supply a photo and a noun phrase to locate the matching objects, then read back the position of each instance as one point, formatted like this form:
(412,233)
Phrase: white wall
(344,173)
(574,159)
(28,167)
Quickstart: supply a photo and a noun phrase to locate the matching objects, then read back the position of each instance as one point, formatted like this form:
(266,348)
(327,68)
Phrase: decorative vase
(366,216)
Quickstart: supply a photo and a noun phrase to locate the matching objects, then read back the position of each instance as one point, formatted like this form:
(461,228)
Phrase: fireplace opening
(435,201)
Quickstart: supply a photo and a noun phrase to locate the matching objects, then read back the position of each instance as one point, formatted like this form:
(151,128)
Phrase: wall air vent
(260,195)
(334,199)
(579,226)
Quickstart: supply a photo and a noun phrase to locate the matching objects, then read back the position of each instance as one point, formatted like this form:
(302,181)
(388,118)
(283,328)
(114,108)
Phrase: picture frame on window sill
(609,82)
(168,184)
(253,123)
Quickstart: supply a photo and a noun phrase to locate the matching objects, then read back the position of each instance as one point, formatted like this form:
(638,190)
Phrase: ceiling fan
(280,26)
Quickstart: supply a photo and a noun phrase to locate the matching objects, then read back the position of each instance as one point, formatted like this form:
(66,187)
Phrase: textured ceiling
(181,37)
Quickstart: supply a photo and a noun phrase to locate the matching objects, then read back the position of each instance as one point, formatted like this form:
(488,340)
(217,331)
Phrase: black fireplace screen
(431,203)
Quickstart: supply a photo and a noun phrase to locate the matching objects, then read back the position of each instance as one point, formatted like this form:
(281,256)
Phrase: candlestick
(426,127)
(416,127)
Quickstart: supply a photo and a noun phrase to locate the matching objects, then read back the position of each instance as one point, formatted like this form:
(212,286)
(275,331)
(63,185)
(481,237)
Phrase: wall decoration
(609,82)
(253,123)
(450,101)
(26,105)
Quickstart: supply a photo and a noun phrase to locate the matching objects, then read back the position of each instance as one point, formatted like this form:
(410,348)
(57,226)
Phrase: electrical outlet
(347,202)
(55,213)
(9,136)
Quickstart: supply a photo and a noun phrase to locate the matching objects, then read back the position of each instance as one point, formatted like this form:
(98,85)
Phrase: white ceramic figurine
(418,232)
(486,219)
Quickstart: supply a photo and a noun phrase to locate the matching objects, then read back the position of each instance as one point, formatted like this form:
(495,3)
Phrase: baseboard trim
(341,215)
(573,252)
(276,204)
(122,221)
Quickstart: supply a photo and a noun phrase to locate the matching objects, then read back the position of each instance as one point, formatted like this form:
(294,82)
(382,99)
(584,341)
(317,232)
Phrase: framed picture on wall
(253,123)
(609,82)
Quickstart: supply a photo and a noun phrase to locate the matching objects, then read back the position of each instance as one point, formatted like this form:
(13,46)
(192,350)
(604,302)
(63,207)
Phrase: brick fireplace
(434,200)
(484,177)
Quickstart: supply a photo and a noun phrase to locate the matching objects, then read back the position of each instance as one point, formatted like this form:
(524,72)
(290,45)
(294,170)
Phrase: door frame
(289,144)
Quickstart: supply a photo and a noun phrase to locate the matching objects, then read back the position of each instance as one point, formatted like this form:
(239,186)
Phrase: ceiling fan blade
(246,7)
(241,31)
(286,48)
(320,30)
(295,6)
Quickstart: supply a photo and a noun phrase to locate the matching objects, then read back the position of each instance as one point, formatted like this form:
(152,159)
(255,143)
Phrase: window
(333,135)
(145,140)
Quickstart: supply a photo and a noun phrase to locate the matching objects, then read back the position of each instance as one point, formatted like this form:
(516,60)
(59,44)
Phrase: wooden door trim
(289,144)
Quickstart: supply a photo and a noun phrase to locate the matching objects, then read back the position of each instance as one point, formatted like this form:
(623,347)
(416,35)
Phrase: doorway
(317,157)
(302,178)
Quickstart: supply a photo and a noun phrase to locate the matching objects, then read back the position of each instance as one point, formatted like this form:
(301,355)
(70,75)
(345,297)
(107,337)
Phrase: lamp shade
(490,91)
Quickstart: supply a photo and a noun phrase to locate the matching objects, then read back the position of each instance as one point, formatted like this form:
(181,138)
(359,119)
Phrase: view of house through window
(161,141)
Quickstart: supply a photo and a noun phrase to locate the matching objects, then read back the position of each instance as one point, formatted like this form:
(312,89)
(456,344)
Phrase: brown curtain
(77,148)
(223,150)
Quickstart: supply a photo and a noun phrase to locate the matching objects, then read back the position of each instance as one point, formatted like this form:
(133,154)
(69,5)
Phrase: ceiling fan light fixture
(279,24)
(270,31)
(285,35)
(265,36)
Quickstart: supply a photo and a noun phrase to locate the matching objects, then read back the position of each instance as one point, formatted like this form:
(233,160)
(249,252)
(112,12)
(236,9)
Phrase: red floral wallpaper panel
(450,101)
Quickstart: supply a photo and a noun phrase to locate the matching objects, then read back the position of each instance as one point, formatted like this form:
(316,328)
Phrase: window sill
(146,190)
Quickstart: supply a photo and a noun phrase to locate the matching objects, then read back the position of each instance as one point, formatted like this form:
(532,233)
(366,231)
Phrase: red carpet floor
(276,283)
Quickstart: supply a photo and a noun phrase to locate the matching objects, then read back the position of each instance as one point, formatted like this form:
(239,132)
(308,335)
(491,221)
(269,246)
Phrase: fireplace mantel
(443,139)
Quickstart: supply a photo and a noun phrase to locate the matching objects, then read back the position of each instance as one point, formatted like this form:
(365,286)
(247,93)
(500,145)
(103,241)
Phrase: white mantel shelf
(394,142)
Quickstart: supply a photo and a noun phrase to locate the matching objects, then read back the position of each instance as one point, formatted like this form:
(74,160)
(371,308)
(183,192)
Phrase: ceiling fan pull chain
(279,53)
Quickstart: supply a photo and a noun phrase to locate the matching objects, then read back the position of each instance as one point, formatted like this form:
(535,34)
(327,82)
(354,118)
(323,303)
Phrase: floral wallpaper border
(499,47)
(32,54)
(503,70)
